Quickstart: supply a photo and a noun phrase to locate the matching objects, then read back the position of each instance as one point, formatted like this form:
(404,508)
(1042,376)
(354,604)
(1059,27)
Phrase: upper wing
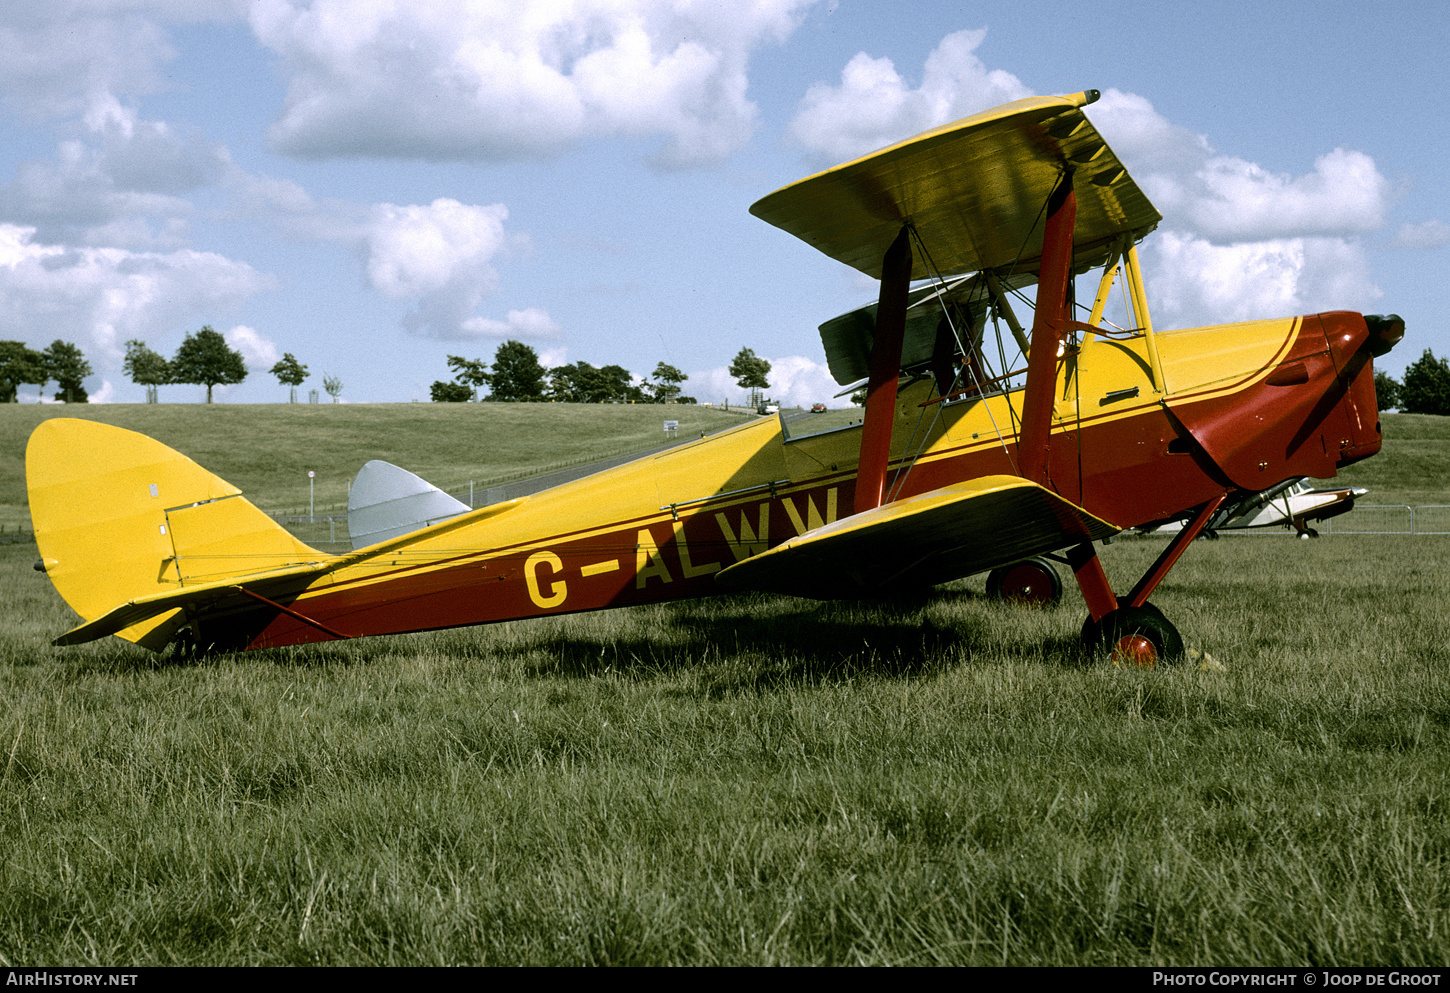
(975,191)
(926,539)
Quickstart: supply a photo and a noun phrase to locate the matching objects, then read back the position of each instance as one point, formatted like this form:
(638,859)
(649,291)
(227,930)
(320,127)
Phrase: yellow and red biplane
(960,465)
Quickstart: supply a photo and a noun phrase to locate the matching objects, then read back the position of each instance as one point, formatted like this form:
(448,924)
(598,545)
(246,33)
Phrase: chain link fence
(1370,518)
(326,532)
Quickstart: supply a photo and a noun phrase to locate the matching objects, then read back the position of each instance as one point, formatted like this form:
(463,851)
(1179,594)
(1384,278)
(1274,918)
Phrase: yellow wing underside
(974,190)
(930,538)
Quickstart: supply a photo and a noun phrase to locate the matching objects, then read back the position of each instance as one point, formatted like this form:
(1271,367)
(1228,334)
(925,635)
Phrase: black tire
(1032,582)
(1139,636)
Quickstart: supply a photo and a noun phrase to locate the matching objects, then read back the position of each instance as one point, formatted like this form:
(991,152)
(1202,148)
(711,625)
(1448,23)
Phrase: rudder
(119,516)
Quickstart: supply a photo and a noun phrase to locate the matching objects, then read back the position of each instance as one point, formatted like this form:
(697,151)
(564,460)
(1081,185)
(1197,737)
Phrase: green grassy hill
(1413,468)
(266,449)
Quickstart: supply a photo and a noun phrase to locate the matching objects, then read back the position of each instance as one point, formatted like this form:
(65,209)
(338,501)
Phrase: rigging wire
(939,284)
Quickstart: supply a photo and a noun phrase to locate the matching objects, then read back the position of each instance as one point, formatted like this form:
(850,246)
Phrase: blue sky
(374,185)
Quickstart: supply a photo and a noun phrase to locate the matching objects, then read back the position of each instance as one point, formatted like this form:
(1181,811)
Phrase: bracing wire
(939,285)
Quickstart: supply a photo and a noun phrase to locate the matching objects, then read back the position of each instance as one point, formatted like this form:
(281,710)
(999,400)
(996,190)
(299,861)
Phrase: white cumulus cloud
(416,250)
(1193,280)
(795,381)
(55,56)
(440,255)
(874,106)
(454,79)
(124,184)
(258,351)
(531,322)
(101,297)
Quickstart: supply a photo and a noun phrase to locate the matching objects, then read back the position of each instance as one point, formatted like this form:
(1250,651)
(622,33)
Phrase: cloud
(1229,199)
(1225,199)
(795,381)
(440,255)
(258,351)
(55,57)
(121,186)
(1193,281)
(453,79)
(101,297)
(873,106)
(1237,241)
(1426,234)
(528,323)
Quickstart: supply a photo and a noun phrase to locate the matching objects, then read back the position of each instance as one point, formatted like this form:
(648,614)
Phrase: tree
(580,382)
(146,368)
(750,372)
(472,373)
(1426,386)
(332,385)
(859,397)
(206,359)
(18,364)
(290,372)
(517,374)
(67,366)
(442,392)
(1387,391)
(665,387)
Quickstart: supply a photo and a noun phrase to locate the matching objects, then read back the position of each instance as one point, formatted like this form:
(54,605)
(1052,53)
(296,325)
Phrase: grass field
(752,780)
(267,449)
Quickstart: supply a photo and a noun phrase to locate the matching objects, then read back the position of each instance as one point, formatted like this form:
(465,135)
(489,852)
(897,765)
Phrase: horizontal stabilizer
(926,539)
(221,595)
(388,502)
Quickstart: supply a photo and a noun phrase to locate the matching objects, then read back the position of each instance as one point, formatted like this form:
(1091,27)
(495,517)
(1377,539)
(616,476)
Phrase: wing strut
(1048,325)
(885,368)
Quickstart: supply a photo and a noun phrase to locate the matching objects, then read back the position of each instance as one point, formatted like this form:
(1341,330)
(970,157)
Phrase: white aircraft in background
(1294,502)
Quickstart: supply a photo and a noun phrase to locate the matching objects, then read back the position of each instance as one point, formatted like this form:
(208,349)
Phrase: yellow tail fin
(119,516)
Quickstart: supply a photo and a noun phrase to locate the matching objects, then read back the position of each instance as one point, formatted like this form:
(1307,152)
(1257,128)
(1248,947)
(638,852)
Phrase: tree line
(205,359)
(60,362)
(517,376)
(1424,390)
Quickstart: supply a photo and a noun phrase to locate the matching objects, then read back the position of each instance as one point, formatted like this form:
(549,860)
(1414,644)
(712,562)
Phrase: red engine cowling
(1312,414)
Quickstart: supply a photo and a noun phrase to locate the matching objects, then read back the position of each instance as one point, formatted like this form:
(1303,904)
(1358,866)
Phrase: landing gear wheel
(1134,636)
(1308,533)
(1030,583)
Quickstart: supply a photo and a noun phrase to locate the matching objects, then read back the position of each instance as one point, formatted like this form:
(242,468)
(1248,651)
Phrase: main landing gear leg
(1132,630)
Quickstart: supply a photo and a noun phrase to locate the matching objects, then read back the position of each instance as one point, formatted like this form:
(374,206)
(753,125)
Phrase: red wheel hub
(1135,649)
(1025,583)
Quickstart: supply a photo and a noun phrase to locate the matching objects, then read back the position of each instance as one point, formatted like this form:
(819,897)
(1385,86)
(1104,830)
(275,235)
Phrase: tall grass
(753,780)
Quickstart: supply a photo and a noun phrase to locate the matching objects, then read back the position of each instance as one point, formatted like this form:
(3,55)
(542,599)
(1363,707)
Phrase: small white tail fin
(388,502)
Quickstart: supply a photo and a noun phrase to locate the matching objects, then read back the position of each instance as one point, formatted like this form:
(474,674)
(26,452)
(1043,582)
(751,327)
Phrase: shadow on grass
(758,644)
(735,643)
